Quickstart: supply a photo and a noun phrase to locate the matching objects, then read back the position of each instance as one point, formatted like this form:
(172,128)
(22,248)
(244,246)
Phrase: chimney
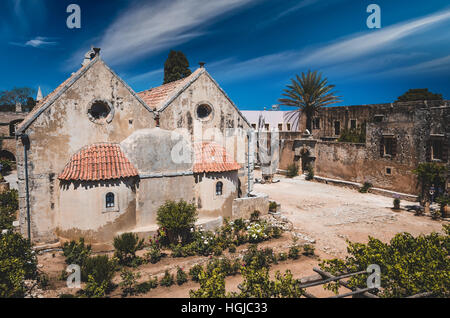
(202,64)
(90,55)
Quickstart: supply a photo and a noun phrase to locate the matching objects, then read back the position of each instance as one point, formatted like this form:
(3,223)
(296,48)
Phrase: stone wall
(244,207)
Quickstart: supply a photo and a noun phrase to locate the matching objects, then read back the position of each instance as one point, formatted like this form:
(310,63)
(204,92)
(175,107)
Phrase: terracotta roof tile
(156,96)
(98,162)
(211,157)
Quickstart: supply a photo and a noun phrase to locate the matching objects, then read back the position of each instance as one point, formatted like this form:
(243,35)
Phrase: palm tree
(308,93)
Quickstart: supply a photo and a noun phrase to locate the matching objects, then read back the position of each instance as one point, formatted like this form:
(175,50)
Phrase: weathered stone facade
(147,134)
(8,123)
(398,137)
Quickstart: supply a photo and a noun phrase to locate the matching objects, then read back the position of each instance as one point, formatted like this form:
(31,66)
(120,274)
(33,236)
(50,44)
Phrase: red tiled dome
(98,162)
(211,157)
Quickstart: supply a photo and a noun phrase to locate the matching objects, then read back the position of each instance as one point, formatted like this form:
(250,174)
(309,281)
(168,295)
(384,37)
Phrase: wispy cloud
(361,52)
(37,42)
(147,28)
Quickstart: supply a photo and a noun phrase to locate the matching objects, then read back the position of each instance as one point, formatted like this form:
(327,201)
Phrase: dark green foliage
(129,282)
(292,170)
(226,266)
(232,248)
(365,188)
(353,136)
(308,250)
(9,204)
(294,252)
(195,271)
(145,287)
(17,263)
(100,268)
(76,252)
(396,203)
(429,173)
(181,276)
(177,219)
(154,254)
(23,95)
(415,94)
(308,93)
(126,246)
(176,67)
(272,206)
(212,285)
(7,166)
(409,265)
(167,279)
(255,216)
(309,172)
(261,258)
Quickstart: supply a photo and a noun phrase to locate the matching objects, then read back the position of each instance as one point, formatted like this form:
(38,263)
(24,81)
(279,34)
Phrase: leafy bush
(365,188)
(308,250)
(101,269)
(76,252)
(259,258)
(7,166)
(195,271)
(126,246)
(129,282)
(212,285)
(232,248)
(353,135)
(430,173)
(257,232)
(177,219)
(409,265)
(181,276)
(145,287)
(94,289)
(17,263)
(9,203)
(282,256)
(272,206)
(154,254)
(255,215)
(167,279)
(309,172)
(226,266)
(292,170)
(294,252)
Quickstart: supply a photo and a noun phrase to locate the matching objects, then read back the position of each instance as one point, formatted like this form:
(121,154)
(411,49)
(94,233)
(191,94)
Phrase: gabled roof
(48,100)
(212,157)
(98,162)
(157,97)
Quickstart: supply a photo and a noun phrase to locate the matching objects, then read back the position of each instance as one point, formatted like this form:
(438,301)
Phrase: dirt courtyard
(330,214)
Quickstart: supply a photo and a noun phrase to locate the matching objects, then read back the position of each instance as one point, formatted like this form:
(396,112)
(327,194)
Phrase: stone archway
(5,154)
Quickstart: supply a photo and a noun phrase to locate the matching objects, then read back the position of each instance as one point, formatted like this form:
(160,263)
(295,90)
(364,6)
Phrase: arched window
(110,200)
(219,187)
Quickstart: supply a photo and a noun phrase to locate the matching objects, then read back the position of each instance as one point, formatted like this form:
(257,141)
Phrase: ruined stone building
(396,138)
(100,159)
(8,123)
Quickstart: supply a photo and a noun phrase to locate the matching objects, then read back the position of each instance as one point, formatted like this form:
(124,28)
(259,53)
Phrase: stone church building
(96,159)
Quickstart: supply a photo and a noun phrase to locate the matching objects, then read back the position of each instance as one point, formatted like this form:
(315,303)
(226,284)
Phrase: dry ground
(327,214)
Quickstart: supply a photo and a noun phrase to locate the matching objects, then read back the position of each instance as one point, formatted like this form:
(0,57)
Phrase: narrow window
(280,127)
(288,126)
(219,187)
(266,127)
(110,200)
(436,149)
(254,126)
(337,128)
(316,123)
(388,171)
(388,146)
(353,124)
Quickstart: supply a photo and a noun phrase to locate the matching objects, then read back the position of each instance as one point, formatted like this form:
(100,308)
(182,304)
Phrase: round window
(100,112)
(204,111)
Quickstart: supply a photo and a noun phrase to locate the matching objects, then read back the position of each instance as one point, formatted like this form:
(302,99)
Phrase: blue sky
(251,47)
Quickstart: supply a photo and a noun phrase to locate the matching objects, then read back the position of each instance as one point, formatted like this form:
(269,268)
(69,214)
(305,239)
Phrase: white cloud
(148,28)
(37,42)
(355,53)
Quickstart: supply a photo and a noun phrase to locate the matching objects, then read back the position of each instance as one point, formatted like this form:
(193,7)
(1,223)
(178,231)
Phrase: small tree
(429,173)
(415,94)
(126,246)
(177,219)
(176,67)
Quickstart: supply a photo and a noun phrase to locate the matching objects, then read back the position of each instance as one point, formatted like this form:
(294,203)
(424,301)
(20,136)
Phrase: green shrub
(212,285)
(272,206)
(126,246)
(9,204)
(145,287)
(154,254)
(167,279)
(292,170)
(397,203)
(308,250)
(294,252)
(429,173)
(177,219)
(195,271)
(365,188)
(282,256)
(129,282)
(94,289)
(76,252)
(261,258)
(309,172)
(101,269)
(17,263)
(232,248)
(7,166)
(255,216)
(409,265)
(181,276)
